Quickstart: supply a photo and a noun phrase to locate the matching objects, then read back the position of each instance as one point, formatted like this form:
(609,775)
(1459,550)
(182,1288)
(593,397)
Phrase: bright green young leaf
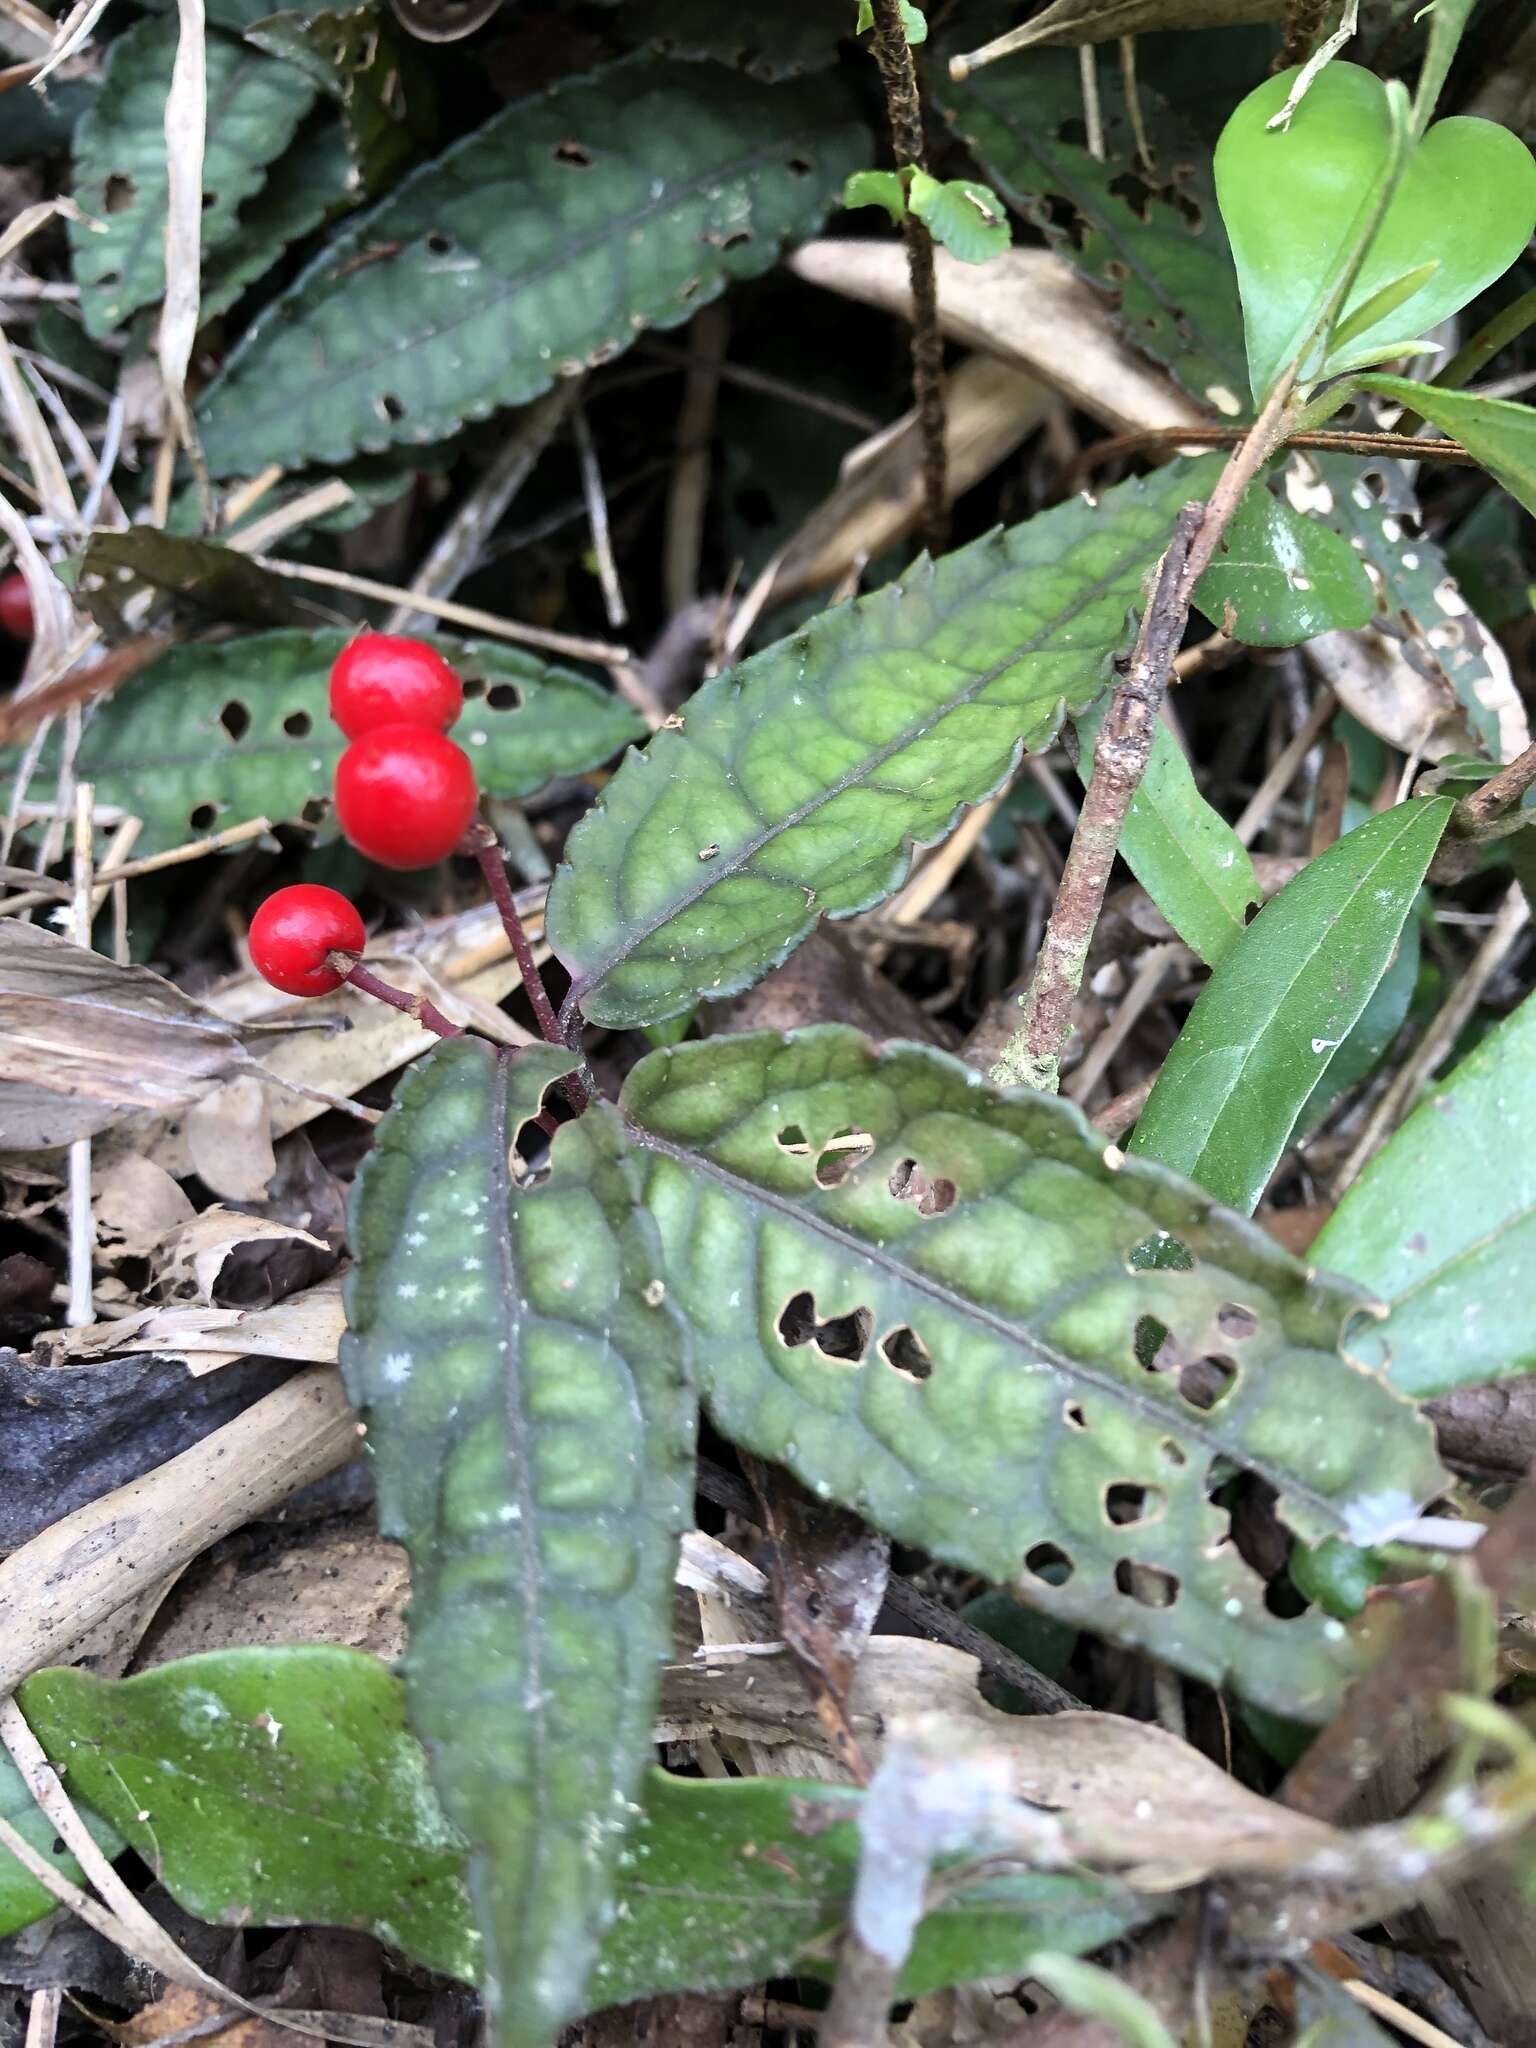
(1286,578)
(914,22)
(1181,850)
(964,1334)
(1292,199)
(269,1788)
(1282,1002)
(254,107)
(214,733)
(22,1898)
(537,246)
(1442,1225)
(878,188)
(1153,236)
(510,1347)
(967,218)
(283,1787)
(1501,434)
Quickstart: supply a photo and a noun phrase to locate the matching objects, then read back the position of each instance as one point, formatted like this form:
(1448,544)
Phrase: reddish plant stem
(482,842)
(426,1013)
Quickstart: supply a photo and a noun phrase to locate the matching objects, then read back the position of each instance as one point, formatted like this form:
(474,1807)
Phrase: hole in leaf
(844,1150)
(1161,1253)
(314,810)
(1148,1338)
(797,1320)
(210,199)
(1125,1502)
(118,194)
(202,817)
(801,166)
(110,278)
(438,243)
(474,686)
(504,697)
(1146,1584)
(903,1349)
(1048,1561)
(843,1337)
(574,153)
(391,407)
(235,719)
(1205,1381)
(1072,1415)
(793,1140)
(930,1196)
(298,725)
(1173,1451)
(1283,1599)
(1235,1321)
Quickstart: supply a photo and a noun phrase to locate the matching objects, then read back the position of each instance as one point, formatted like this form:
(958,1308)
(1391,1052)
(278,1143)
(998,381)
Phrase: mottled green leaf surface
(269,1787)
(305,187)
(254,106)
(802,779)
(1180,848)
(995,1337)
(1442,1225)
(213,734)
(521,1376)
(1500,433)
(1154,236)
(282,1787)
(533,248)
(1286,578)
(1282,1002)
(22,1898)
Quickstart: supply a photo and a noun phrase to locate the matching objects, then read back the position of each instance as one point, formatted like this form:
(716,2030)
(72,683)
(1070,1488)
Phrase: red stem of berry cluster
(482,842)
(421,1008)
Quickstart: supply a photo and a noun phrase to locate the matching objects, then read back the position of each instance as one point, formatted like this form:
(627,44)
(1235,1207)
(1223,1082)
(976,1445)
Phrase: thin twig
(1500,793)
(1411,448)
(688,493)
(1093,108)
(904,107)
(597,520)
(483,844)
(1256,811)
(82,1236)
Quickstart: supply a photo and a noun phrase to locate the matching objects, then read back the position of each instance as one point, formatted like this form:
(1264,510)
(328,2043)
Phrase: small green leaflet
(1285,578)
(510,1348)
(1501,434)
(22,1898)
(914,22)
(1442,1225)
(1282,1002)
(967,218)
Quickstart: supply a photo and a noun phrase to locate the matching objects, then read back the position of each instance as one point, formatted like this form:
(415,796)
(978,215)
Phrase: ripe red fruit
(16,606)
(385,679)
(405,796)
(295,929)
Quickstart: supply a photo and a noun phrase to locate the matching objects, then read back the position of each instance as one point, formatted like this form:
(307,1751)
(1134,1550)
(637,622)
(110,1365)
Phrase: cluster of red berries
(16,606)
(405,797)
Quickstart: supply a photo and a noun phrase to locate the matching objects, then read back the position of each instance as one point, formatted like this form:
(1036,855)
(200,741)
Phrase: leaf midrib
(1288,1484)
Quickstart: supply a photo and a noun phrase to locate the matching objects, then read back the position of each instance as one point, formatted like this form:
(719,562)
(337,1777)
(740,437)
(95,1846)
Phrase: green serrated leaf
(511,1351)
(1163,250)
(22,1898)
(1181,850)
(361,57)
(254,108)
(1282,1002)
(240,729)
(802,778)
(537,246)
(1501,434)
(283,1787)
(967,218)
(1443,1220)
(1286,578)
(878,188)
(958,1335)
(307,186)
(269,1787)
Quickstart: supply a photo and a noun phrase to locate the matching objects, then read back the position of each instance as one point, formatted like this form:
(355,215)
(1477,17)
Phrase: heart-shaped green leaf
(1292,200)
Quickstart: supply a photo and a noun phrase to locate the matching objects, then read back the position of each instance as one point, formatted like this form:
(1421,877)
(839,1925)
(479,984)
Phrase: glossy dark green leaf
(1373,1033)
(511,1351)
(1501,434)
(1291,199)
(958,1334)
(1152,236)
(791,38)
(802,779)
(22,1898)
(269,1788)
(216,733)
(1181,850)
(1282,1002)
(1442,1225)
(307,186)
(1286,578)
(535,247)
(283,1787)
(254,107)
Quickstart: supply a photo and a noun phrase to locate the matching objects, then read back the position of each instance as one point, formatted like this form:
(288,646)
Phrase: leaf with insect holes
(957,1311)
(511,1350)
(535,247)
(214,733)
(254,108)
(296,1793)
(1282,1002)
(1442,1224)
(1286,578)
(307,186)
(1151,234)
(1501,434)
(360,57)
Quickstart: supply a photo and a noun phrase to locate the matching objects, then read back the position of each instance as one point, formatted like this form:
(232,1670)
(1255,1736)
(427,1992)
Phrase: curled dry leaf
(305,1329)
(229,1137)
(85,1043)
(227,1259)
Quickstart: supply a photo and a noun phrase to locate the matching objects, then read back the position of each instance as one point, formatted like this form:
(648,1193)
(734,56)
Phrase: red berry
(295,929)
(405,796)
(384,679)
(16,606)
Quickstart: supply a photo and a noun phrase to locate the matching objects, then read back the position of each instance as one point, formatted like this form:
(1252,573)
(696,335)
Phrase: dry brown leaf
(191,1263)
(181,2007)
(229,1140)
(305,1328)
(1027,307)
(85,1043)
(136,1205)
(1100,21)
